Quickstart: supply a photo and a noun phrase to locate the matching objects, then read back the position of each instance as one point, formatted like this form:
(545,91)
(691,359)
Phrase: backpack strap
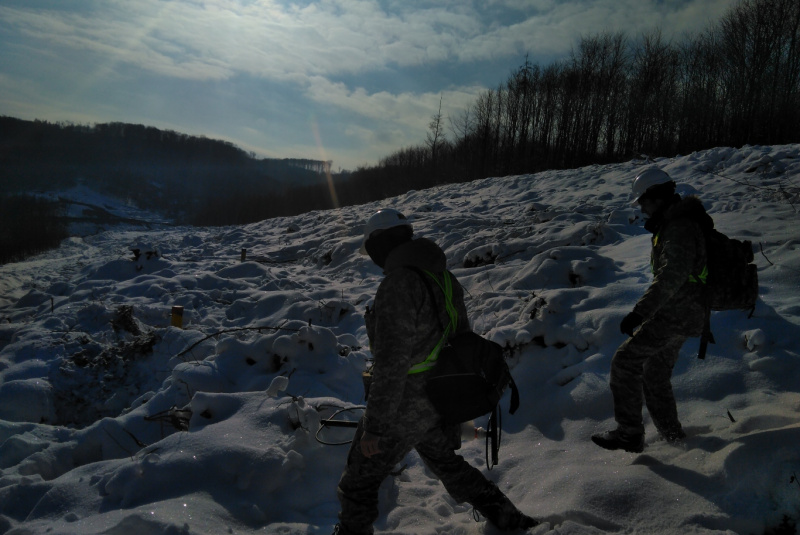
(427,282)
(707,337)
(447,287)
(446,284)
(494,426)
(493,436)
(701,278)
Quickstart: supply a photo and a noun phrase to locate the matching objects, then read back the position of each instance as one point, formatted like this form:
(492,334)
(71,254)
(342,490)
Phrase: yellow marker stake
(177,317)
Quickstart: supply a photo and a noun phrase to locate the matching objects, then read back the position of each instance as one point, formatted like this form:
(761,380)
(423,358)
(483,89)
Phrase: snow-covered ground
(213,428)
(90,212)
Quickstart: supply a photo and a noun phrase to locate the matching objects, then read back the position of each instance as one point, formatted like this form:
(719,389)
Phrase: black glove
(630,322)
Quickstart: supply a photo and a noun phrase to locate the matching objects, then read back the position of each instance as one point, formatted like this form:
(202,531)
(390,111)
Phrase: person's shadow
(761,468)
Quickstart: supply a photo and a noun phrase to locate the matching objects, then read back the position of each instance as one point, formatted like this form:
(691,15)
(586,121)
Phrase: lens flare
(323,157)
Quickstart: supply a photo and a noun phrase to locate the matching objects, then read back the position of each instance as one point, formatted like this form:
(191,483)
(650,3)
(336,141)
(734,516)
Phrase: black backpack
(731,281)
(469,378)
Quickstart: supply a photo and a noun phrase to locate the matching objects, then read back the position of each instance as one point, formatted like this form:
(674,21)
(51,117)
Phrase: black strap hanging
(494,435)
(707,337)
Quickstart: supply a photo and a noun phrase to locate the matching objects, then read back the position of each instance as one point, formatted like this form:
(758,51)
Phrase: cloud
(372,70)
(408,109)
(551,29)
(216,39)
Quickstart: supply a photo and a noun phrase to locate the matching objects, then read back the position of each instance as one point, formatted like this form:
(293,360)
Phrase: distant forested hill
(175,174)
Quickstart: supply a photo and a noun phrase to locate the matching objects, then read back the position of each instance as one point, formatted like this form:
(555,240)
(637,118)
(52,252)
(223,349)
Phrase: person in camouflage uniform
(669,312)
(402,328)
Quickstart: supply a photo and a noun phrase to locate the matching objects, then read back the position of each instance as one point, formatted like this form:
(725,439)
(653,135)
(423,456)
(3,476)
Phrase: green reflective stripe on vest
(703,277)
(430,362)
(655,242)
(447,288)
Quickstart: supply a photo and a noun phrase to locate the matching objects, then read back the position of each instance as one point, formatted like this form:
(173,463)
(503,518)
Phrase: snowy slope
(89,212)
(211,428)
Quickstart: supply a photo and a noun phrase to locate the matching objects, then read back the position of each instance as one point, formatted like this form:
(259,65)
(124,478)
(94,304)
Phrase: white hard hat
(383,219)
(647,179)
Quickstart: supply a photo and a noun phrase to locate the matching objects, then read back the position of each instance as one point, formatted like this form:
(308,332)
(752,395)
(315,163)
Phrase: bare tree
(759,43)
(462,127)
(484,112)
(736,82)
(653,95)
(435,137)
(703,102)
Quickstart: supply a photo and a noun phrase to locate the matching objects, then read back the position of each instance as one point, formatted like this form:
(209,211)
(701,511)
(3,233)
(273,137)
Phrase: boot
(505,516)
(674,436)
(619,440)
(338,529)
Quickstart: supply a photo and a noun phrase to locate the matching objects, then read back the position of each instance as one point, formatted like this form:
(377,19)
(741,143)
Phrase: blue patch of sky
(443,75)
(242,101)
(426,79)
(71,6)
(490,13)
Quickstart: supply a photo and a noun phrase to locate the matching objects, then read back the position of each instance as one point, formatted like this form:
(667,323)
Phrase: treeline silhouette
(29,226)
(160,170)
(163,170)
(614,98)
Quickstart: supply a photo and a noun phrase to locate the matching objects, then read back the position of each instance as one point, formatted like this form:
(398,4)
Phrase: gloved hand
(630,322)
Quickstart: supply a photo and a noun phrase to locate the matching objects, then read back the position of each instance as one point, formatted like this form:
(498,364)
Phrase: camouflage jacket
(673,301)
(403,328)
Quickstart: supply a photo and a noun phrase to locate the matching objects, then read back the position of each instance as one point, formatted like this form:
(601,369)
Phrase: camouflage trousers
(362,477)
(641,371)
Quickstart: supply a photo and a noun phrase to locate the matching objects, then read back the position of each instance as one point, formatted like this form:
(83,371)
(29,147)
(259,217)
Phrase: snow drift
(112,421)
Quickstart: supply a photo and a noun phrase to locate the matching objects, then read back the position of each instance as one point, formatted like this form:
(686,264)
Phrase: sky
(209,425)
(344,80)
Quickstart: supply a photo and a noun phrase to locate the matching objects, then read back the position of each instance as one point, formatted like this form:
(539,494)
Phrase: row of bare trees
(613,98)
(736,83)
